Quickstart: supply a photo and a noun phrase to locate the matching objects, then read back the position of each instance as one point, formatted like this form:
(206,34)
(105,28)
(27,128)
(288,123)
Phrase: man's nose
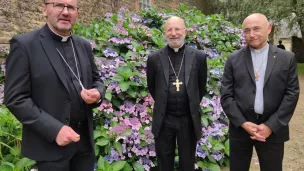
(65,11)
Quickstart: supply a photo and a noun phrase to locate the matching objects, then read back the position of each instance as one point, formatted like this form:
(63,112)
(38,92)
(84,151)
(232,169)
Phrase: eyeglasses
(169,31)
(60,7)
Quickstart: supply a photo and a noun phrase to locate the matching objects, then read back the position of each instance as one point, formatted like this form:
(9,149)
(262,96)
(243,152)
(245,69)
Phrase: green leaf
(125,72)
(102,163)
(211,159)
(15,151)
(132,93)
(144,93)
(127,167)
(24,163)
(102,142)
(214,167)
(6,168)
(118,147)
(227,147)
(118,78)
(201,164)
(118,165)
(218,147)
(139,48)
(207,109)
(108,95)
(97,150)
(138,167)
(115,17)
(97,134)
(204,120)
(124,86)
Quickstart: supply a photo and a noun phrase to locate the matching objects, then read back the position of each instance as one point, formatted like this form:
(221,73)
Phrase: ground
(294,148)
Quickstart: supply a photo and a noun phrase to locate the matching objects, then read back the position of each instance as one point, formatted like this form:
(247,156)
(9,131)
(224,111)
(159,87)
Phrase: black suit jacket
(281,92)
(36,91)
(158,84)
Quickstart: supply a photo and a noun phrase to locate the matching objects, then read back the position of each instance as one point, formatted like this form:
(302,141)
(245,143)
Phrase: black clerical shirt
(78,113)
(178,101)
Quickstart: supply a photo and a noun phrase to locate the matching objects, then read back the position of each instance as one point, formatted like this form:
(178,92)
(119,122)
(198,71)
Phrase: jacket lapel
(189,57)
(272,57)
(53,56)
(165,62)
(83,60)
(248,61)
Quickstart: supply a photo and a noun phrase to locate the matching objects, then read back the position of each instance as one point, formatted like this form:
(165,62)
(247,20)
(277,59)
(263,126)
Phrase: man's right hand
(253,129)
(66,135)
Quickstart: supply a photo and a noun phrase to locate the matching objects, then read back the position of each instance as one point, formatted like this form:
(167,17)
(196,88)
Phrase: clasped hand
(90,96)
(258,132)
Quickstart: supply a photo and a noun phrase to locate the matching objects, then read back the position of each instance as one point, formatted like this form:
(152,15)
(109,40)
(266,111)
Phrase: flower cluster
(127,111)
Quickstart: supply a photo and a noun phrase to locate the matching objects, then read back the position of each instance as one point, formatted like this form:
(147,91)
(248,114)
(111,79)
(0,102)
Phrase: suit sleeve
(17,94)
(227,97)
(151,76)
(202,75)
(285,111)
(97,82)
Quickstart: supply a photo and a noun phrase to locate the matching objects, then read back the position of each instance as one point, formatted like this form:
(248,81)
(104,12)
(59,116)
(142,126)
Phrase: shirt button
(67,119)
(68,99)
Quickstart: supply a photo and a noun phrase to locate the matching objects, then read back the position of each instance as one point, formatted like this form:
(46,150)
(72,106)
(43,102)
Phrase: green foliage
(10,144)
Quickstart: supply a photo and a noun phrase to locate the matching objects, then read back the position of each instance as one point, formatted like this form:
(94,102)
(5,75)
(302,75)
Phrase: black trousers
(270,154)
(176,130)
(82,158)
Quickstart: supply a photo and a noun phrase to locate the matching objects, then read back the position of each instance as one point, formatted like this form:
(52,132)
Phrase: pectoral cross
(257,76)
(177,84)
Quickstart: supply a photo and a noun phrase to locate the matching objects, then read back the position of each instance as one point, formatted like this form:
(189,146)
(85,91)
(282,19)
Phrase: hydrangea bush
(121,43)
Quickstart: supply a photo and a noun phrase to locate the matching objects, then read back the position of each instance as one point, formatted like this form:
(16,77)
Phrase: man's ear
(44,8)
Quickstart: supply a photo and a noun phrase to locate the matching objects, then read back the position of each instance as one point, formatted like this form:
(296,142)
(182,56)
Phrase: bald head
(256,30)
(175,19)
(256,17)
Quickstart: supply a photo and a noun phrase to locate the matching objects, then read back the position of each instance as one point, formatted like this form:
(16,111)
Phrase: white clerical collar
(266,47)
(176,49)
(64,38)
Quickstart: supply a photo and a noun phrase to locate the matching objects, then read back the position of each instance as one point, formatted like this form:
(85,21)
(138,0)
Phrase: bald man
(259,93)
(177,76)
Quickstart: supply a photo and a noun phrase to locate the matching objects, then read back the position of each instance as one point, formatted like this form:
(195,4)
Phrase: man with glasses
(177,76)
(51,86)
(259,93)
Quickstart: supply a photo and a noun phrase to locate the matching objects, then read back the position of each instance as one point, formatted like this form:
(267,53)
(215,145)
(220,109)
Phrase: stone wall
(22,16)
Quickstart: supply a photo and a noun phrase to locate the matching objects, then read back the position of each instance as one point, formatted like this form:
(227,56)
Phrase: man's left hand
(90,96)
(263,130)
